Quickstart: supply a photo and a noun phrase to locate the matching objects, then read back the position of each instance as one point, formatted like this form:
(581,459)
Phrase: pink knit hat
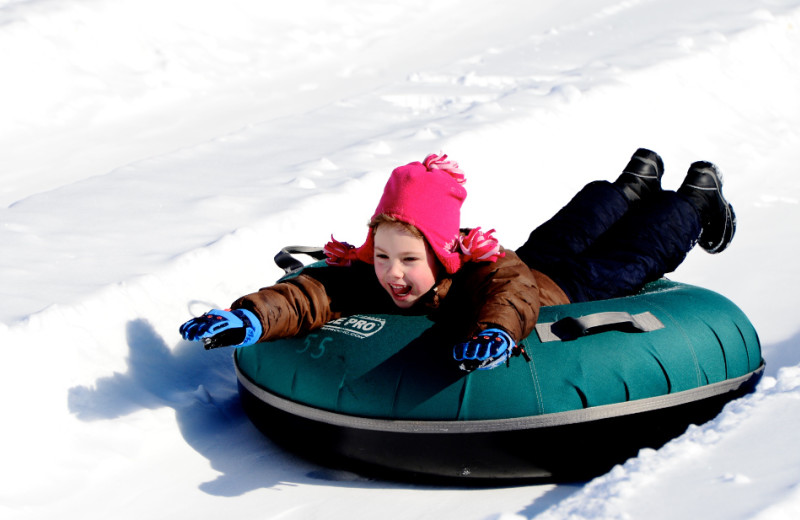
(427,195)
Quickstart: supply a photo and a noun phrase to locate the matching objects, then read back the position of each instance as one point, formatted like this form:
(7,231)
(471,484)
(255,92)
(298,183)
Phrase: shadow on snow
(201,387)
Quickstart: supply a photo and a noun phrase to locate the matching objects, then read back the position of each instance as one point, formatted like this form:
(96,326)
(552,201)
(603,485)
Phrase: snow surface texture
(154,155)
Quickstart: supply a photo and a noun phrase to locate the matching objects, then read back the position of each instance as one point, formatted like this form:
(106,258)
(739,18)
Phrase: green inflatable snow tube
(604,380)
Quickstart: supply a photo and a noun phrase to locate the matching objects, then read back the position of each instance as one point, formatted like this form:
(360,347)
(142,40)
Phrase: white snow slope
(154,155)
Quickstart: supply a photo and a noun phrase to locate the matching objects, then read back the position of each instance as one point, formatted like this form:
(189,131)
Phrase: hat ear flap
(338,253)
(478,246)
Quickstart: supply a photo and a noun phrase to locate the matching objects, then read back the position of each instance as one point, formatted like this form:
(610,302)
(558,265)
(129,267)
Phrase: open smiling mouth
(400,291)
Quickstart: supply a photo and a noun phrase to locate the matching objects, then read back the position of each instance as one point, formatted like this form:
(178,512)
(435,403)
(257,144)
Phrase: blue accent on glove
(486,350)
(217,328)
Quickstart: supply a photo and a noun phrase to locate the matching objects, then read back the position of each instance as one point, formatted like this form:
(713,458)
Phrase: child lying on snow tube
(609,241)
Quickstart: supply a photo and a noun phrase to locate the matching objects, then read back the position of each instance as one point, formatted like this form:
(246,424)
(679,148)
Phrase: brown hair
(383,218)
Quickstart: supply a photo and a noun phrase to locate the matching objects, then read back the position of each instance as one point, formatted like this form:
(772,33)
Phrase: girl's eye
(410,259)
(381,256)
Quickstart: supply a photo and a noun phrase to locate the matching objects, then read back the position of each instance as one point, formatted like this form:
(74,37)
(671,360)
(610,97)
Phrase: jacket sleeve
(312,299)
(504,294)
(289,308)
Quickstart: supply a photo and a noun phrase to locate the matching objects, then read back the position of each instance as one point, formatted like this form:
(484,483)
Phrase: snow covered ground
(154,155)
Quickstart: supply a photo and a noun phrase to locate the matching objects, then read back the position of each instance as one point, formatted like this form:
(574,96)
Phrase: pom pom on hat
(435,162)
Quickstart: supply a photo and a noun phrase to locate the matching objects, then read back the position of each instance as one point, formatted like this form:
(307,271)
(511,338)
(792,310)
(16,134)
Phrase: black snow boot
(642,176)
(703,188)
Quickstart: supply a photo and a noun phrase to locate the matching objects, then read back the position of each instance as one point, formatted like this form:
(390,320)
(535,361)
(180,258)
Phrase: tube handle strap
(285,258)
(571,328)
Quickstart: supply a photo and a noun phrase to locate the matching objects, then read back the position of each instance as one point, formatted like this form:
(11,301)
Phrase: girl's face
(404,264)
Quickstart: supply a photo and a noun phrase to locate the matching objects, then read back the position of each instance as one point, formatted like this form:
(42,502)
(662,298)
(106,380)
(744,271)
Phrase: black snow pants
(601,246)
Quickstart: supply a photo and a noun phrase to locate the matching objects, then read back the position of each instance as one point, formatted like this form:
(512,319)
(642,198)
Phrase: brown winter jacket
(505,294)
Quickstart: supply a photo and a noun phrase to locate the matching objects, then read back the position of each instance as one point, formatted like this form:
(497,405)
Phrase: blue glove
(217,328)
(484,351)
